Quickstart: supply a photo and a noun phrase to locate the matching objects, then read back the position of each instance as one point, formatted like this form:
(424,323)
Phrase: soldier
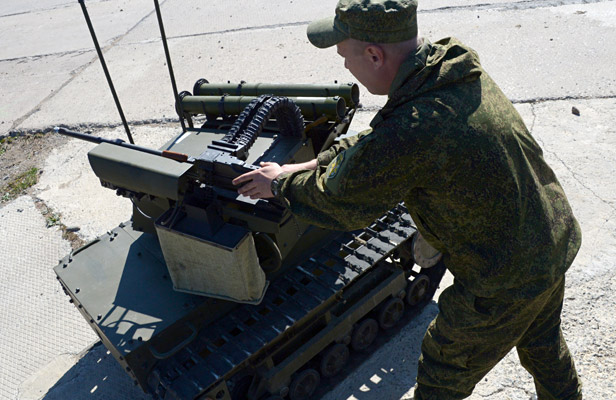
(452,146)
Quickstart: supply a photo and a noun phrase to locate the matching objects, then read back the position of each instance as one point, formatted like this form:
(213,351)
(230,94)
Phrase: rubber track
(235,338)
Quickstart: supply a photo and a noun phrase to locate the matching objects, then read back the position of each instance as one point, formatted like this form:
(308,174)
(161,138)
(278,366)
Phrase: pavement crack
(532,111)
(511,6)
(75,73)
(54,218)
(226,31)
(39,56)
(84,127)
(580,180)
(369,109)
(65,5)
(519,5)
(537,100)
(597,237)
(573,174)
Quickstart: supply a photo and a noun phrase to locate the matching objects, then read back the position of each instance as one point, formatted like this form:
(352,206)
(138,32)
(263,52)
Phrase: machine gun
(205,293)
(216,242)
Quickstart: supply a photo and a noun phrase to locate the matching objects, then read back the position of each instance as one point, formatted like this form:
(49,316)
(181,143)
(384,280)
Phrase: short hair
(398,48)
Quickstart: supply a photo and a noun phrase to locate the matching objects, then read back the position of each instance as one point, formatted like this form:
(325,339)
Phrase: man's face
(360,64)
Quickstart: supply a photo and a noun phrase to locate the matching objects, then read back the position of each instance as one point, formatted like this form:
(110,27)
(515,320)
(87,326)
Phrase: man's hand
(258,183)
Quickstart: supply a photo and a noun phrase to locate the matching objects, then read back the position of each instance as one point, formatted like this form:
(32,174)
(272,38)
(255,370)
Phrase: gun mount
(216,242)
(206,293)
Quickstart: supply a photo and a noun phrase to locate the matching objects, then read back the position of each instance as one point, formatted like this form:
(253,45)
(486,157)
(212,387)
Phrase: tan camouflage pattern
(452,146)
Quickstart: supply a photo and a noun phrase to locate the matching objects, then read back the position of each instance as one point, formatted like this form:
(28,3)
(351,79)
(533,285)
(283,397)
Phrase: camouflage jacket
(452,146)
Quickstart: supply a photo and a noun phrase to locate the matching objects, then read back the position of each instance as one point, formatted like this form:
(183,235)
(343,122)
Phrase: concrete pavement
(548,56)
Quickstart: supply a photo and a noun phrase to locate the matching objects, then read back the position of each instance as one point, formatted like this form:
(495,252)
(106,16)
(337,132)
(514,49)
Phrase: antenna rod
(102,59)
(175,88)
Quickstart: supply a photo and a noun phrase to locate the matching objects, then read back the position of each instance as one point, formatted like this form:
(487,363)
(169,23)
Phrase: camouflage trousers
(470,335)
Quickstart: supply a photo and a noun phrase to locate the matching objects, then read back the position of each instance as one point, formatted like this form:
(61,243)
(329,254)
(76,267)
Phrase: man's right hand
(257,183)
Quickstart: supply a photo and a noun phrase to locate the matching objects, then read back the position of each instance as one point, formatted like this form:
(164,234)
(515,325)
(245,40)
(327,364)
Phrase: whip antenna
(171,75)
(102,59)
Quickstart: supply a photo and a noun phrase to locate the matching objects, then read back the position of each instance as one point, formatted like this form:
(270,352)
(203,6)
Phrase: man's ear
(376,55)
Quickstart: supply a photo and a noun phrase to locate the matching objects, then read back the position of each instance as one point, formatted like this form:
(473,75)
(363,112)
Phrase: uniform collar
(409,67)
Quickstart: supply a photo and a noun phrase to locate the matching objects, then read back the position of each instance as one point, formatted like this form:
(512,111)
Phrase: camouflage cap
(374,21)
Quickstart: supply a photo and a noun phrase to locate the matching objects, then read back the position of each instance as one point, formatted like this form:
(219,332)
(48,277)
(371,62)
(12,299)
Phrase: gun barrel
(119,142)
(86,137)
(312,107)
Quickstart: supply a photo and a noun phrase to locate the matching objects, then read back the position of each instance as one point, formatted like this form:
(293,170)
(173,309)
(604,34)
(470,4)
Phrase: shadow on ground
(97,375)
(389,368)
(390,374)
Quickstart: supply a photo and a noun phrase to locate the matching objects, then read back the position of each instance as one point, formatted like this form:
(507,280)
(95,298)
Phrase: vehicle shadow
(97,375)
(388,370)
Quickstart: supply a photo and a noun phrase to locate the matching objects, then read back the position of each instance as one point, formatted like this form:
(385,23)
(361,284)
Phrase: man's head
(375,65)
(373,36)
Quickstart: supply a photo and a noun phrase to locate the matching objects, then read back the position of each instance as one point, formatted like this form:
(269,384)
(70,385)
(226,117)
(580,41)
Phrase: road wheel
(390,313)
(364,334)
(417,290)
(334,359)
(304,384)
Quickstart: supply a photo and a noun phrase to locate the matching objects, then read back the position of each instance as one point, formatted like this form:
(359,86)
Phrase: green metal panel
(195,141)
(123,283)
(138,171)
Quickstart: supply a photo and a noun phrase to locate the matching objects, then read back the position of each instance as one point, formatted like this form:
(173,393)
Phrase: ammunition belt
(252,120)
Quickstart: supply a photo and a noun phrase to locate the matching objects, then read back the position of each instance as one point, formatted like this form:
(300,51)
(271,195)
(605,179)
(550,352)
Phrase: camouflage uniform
(453,147)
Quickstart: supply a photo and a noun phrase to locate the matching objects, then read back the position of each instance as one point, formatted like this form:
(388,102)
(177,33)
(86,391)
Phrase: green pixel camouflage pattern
(471,334)
(372,21)
(452,146)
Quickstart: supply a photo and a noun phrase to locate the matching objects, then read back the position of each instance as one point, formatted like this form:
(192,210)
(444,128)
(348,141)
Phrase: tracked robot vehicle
(208,294)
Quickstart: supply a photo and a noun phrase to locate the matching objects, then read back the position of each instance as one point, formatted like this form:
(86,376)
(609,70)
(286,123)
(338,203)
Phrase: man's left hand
(258,183)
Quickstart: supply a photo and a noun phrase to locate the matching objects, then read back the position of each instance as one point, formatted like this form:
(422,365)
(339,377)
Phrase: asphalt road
(548,57)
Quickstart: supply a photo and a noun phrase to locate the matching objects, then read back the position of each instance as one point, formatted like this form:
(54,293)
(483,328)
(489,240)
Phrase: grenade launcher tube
(349,92)
(312,107)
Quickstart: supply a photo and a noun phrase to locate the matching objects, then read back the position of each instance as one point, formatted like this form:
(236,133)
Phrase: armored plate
(123,288)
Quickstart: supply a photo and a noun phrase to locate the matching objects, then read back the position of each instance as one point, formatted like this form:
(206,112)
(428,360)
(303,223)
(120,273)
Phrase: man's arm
(362,181)
(258,184)
(325,157)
